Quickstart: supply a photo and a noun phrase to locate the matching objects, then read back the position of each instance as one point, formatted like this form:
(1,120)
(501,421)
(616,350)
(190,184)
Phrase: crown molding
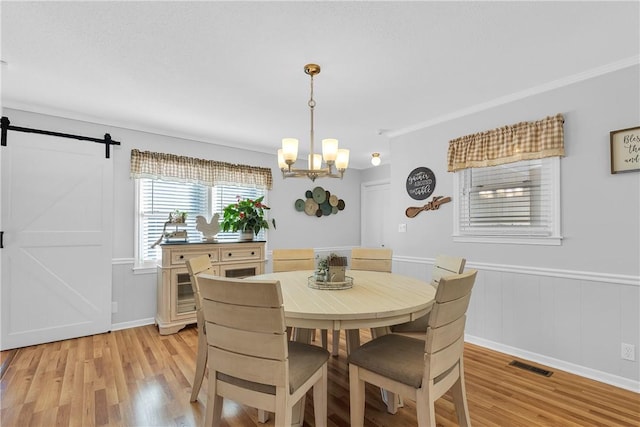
(536,90)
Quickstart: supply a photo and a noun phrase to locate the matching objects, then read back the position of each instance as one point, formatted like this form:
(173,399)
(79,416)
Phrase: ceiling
(232,72)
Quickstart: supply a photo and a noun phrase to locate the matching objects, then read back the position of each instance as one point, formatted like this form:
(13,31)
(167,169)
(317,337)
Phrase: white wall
(376,173)
(569,306)
(135,291)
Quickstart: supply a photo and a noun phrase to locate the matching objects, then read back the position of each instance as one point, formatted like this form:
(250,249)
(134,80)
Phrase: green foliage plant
(246,215)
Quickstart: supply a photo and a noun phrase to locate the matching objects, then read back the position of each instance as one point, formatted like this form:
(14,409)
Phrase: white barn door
(375,214)
(56,215)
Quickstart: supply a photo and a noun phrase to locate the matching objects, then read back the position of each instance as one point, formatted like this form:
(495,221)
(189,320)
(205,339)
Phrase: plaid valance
(522,141)
(146,164)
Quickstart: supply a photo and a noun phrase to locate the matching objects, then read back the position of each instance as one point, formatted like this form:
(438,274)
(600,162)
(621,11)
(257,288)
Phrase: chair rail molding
(618,279)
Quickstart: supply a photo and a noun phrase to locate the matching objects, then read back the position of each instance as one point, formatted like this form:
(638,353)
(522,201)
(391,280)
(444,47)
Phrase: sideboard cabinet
(176,302)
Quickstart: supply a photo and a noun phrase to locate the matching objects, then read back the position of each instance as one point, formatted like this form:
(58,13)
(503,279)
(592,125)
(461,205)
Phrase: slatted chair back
(246,332)
(249,352)
(446,265)
(371,259)
(445,334)
(293,259)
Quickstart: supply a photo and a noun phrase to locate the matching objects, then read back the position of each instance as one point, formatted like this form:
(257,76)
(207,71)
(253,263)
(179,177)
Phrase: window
(510,203)
(157,198)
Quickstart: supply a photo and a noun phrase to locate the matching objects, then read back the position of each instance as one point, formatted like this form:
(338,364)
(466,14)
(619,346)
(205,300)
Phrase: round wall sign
(420,183)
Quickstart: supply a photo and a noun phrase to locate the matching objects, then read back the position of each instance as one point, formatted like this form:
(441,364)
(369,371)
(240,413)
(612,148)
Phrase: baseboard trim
(133,324)
(592,374)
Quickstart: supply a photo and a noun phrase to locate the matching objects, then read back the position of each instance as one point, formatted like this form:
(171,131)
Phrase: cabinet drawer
(179,257)
(241,254)
(241,269)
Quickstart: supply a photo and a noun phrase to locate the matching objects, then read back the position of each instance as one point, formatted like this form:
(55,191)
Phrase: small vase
(246,235)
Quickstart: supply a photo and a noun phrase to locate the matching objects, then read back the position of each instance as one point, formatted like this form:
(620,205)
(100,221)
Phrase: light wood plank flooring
(136,377)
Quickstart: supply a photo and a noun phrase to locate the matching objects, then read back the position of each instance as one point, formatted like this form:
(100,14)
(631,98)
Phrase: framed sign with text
(625,150)
(420,183)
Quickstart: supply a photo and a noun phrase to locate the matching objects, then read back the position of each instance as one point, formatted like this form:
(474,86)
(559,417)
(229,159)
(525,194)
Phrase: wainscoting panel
(575,321)
(601,325)
(567,322)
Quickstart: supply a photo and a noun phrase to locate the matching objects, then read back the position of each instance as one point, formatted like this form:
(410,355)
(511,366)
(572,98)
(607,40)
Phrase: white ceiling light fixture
(375,159)
(331,155)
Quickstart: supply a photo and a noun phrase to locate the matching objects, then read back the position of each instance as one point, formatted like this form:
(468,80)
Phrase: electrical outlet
(628,352)
(402,228)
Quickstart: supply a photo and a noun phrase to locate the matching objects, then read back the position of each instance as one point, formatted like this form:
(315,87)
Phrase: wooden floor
(136,377)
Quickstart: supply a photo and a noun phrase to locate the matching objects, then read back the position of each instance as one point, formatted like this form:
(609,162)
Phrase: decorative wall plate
(310,207)
(319,195)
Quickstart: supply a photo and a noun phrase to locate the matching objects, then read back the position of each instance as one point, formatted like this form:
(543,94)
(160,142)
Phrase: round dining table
(376,300)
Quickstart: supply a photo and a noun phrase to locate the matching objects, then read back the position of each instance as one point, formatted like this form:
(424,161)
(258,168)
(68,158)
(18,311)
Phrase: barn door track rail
(6,125)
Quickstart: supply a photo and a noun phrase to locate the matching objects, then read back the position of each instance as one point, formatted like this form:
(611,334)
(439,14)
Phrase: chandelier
(331,155)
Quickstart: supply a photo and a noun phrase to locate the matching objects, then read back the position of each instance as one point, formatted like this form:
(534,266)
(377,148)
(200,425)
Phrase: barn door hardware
(6,125)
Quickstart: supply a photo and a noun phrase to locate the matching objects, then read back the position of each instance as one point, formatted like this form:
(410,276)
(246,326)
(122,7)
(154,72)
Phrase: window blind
(510,199)
(158,198)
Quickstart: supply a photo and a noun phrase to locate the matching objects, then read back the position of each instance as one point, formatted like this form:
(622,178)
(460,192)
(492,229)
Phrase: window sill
(513,240)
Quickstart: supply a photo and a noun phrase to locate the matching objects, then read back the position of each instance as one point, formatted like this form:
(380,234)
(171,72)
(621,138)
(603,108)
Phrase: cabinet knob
(229,254)
(209,255)
(253,253)
(181,256)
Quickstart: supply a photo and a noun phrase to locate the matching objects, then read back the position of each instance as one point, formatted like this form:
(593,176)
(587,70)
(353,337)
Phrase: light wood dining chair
(368,259)
(196,266)
(371,259)
(422,370)
(293,259)
(251,361)
(296,260)
(444,266)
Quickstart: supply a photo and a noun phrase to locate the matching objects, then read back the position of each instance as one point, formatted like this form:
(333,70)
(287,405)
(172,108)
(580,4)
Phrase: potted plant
(246,216)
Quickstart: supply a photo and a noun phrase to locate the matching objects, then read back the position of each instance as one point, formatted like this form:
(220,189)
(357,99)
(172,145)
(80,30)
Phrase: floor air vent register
(531,368)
